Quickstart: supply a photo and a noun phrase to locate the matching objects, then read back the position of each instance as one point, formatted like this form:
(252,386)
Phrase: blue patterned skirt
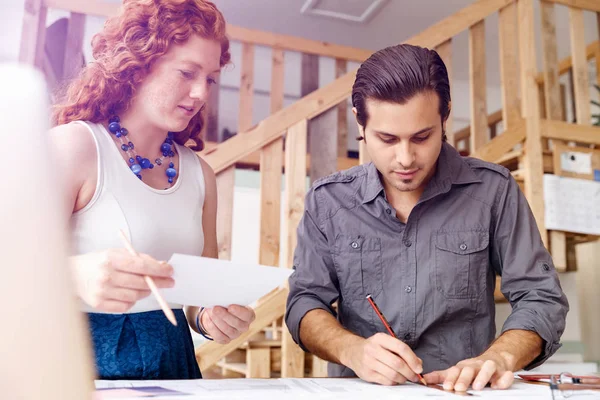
(143,346)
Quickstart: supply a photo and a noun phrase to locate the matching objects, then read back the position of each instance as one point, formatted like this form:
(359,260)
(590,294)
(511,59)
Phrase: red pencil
(388,327)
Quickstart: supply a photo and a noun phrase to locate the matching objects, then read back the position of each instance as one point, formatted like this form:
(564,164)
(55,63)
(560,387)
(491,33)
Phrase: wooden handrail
(319,101)
(566,63)
(588,5)
(236,33)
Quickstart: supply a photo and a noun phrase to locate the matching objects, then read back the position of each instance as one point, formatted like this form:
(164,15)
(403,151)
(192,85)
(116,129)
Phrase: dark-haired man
(424,231)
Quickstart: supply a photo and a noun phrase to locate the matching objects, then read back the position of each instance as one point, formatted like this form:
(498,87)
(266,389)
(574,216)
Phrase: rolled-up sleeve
(529,280)
(313,283)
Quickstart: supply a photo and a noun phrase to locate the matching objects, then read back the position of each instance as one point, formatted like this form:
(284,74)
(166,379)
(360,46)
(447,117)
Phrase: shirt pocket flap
(462,242)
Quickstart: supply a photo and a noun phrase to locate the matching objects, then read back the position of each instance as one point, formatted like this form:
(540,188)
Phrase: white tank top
(158,222)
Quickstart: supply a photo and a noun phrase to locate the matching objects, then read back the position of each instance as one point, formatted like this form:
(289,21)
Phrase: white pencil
(163,304)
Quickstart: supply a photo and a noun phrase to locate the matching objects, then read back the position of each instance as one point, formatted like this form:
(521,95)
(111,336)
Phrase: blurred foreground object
(45,350)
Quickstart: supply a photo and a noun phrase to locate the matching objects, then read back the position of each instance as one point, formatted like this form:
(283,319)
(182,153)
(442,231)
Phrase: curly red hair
(125,50)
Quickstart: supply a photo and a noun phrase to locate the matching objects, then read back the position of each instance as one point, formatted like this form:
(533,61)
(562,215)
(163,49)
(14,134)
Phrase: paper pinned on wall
(576,162)
(572,205)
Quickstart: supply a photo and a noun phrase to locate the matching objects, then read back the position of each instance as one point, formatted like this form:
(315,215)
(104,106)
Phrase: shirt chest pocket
(461,263)
(357,261)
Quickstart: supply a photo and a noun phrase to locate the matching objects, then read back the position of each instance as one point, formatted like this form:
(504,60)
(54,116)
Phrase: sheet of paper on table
(327,388)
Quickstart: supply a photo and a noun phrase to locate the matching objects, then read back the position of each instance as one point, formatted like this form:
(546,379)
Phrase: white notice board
(572,205)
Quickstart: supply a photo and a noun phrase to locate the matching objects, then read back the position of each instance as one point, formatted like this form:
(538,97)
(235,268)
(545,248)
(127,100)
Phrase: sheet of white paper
(571,204)
(577,162)
(327,388)
(207,282)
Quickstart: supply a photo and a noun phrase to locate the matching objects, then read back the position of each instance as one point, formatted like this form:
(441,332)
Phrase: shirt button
(408,243)
(408,289)
(407,336)
(546,267)
(354,245)
(463,247)
(388,211)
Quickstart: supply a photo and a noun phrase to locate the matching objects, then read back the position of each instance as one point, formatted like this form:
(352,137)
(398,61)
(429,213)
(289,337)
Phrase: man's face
(404,140)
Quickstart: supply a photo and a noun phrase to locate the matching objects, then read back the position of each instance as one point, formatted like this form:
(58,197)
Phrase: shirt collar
(452,169)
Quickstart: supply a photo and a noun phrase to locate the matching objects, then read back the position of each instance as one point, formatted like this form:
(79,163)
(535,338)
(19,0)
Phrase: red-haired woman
(119,140)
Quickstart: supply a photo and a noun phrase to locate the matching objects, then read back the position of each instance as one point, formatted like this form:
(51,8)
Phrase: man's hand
(476,372)
(382,359)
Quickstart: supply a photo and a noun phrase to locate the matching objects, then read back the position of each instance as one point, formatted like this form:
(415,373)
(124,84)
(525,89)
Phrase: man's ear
(361,129)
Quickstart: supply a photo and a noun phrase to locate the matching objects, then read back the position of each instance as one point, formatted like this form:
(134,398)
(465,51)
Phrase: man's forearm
(517,348)
(324,337)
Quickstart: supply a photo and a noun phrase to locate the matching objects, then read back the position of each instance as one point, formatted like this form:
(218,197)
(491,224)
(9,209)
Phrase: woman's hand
(113,280)
(225,324)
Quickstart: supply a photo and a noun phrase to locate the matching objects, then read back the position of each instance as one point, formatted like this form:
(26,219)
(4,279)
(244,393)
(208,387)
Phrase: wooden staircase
(531,117)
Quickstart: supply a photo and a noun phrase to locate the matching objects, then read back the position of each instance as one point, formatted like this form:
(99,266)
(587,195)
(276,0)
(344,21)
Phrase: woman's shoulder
(74,148)
(73,137)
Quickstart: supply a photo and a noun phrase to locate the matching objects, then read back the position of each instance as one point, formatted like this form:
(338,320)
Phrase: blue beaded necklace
(138,163)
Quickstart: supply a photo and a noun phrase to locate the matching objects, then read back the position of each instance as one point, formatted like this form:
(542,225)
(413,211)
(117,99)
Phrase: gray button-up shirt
(433,277)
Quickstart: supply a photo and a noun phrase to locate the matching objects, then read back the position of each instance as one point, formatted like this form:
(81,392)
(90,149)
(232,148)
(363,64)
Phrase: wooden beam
(457,22)
(560,130)
(580,68)
(511,112)
(295,186)
(253,160)
(477,85)
(444,50)
(553,109)
(492,119)
(225,188)
(271,164)
(292,357)
(298,44)
(597,52)
(89,7)
(258,361)
(565,64)
(73,60)
(211,132)
(270,307)
(246,88)
(589,5)
(33,33)
(533,161)
(550,62)
(502,144)
(341,67)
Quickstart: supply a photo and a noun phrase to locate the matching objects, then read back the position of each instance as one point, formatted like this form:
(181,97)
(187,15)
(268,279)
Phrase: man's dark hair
(398,73)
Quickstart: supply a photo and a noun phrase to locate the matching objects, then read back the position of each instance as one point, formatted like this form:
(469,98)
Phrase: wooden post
(477,84)
(259,362)
(553,109)
(532,161)
(212,133)
(598,51)
(292,356)
(226,179)
(322,130)
(509,75)
(271,164)
(580,70)
(445,52)
(33,33)
(341,67)
(73,61)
